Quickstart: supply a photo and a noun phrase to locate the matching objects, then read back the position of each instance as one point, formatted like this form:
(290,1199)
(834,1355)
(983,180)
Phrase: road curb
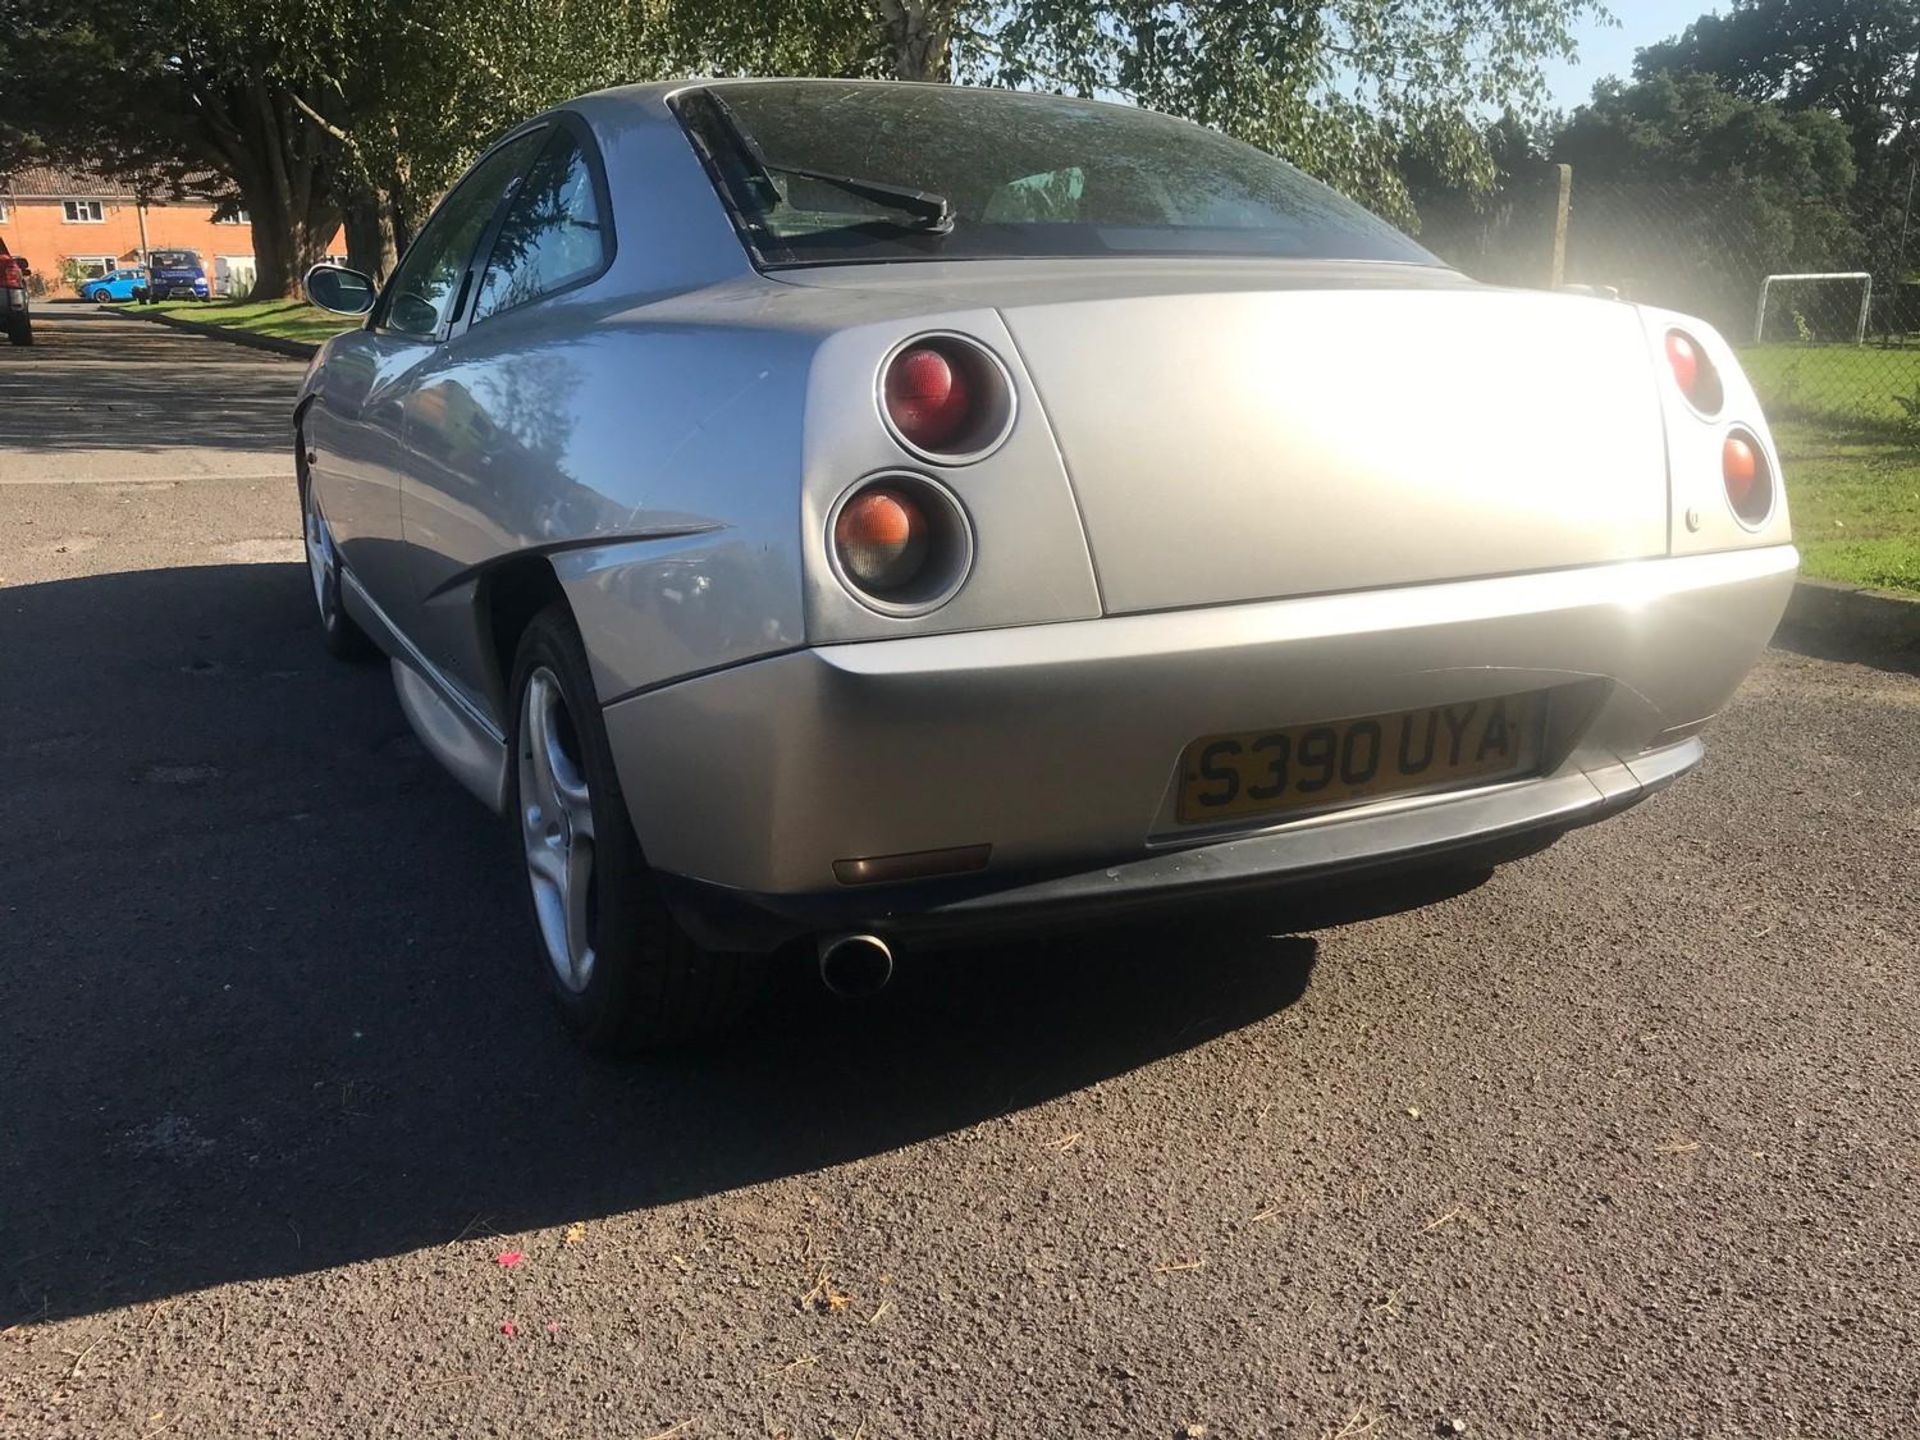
(299,349)
(1877,620)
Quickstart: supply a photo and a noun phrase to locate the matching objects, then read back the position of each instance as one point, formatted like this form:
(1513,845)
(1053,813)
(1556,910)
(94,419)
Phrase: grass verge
(283,319)
(1855,496)
(1850,386)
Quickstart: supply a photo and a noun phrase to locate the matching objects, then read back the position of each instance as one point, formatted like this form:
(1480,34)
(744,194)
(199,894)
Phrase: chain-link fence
(1828,340)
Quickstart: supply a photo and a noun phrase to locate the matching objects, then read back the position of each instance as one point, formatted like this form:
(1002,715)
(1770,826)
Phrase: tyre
(622,973)
(20,332)
(101,296)
(343,638)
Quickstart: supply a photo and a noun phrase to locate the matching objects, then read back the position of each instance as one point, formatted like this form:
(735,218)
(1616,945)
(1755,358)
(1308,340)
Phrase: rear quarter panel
(653,456)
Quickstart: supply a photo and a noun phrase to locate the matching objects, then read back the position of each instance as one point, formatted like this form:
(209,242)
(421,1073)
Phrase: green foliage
(282,319)
(374,106)
(1339,87)
(1857,61)
(1854,59)
(1855,498)
(1686,194)
(1909,403)
(1850,386)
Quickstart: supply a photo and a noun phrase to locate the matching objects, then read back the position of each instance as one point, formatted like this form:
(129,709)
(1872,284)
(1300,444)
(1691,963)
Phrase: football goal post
(1857,277)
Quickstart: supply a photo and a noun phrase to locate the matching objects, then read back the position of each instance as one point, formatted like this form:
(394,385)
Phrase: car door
(490,417)
(354,431)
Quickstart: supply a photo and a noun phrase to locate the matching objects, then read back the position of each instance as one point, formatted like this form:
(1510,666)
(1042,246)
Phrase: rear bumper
(1057,745)
(1368,864)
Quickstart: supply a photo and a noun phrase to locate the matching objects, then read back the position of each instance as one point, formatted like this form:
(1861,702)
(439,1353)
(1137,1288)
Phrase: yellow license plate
(1347,762)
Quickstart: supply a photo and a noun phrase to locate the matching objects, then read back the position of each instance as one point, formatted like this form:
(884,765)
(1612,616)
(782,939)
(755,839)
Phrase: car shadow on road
(96,382)
(266,1000)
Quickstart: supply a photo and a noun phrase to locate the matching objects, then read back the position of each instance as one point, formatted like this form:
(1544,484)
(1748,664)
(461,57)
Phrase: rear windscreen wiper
(930,212)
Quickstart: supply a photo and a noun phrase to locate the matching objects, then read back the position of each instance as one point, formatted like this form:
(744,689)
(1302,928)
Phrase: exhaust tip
(854,967)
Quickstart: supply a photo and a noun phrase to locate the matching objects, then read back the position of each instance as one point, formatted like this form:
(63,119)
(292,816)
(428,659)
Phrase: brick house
(53,216)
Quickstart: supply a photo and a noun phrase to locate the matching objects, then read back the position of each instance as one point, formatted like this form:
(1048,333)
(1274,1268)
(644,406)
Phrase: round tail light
(881,536)
(1693,372)
(946,399)
(929,395)
(1749,482)
(901,544)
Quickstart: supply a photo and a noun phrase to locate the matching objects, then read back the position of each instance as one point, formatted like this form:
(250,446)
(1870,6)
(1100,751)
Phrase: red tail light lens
(10,277)
(1749,482)
(1693,372)
(947,398)
(1684,359)
(882,537)
(930,394)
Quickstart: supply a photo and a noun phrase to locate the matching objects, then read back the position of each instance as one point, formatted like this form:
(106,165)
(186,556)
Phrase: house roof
(58,182)
(49,182)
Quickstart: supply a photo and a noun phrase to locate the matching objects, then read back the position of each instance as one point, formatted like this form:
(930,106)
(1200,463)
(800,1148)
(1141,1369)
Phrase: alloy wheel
(556,829)
(322,561)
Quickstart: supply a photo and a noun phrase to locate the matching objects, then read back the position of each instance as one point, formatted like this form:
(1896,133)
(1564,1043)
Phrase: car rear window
(826,172)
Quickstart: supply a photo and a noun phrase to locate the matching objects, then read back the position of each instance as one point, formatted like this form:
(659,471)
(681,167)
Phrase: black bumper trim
(1328,876)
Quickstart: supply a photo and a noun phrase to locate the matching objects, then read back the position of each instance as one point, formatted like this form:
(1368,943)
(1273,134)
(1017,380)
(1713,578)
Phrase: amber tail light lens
(882,537)
(902,543)
(1748,479)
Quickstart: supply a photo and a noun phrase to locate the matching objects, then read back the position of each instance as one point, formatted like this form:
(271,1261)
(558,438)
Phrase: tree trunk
(285,246)
(919,36)
(371,247)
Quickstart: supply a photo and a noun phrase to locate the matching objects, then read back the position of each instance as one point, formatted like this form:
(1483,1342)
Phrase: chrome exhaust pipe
(855,967)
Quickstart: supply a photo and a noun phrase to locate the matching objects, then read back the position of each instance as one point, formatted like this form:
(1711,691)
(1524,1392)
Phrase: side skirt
(466,742)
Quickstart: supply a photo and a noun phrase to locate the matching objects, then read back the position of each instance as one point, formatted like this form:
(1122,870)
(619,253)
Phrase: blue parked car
(177,275)
(118,284)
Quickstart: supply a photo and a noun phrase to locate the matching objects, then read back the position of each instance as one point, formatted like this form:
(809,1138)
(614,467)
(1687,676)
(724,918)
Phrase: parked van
(177,275)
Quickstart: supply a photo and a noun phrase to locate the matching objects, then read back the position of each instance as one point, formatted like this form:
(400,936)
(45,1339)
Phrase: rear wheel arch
(511,594)
(300,475)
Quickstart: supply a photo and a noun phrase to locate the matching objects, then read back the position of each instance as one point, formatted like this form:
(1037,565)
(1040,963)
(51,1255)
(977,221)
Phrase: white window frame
(238,217)
(107,263)
(83,212)
(6,209)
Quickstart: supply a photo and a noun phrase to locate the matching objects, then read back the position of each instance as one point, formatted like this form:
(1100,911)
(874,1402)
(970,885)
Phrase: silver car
(853,516)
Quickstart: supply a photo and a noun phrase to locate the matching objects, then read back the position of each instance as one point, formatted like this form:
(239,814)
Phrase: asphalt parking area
(1621,1142)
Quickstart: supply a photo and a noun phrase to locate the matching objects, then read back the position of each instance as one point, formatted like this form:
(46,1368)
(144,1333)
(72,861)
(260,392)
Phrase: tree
(1337,86)
(417,90)
(299,111)
(1504,234)
(305,110)
(1687,194)
(178,97)
(1852,58)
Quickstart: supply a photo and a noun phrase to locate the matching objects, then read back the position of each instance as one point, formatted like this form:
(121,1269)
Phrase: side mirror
(343,291)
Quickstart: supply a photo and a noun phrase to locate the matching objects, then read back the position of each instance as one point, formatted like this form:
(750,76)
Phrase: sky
(1609,50)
